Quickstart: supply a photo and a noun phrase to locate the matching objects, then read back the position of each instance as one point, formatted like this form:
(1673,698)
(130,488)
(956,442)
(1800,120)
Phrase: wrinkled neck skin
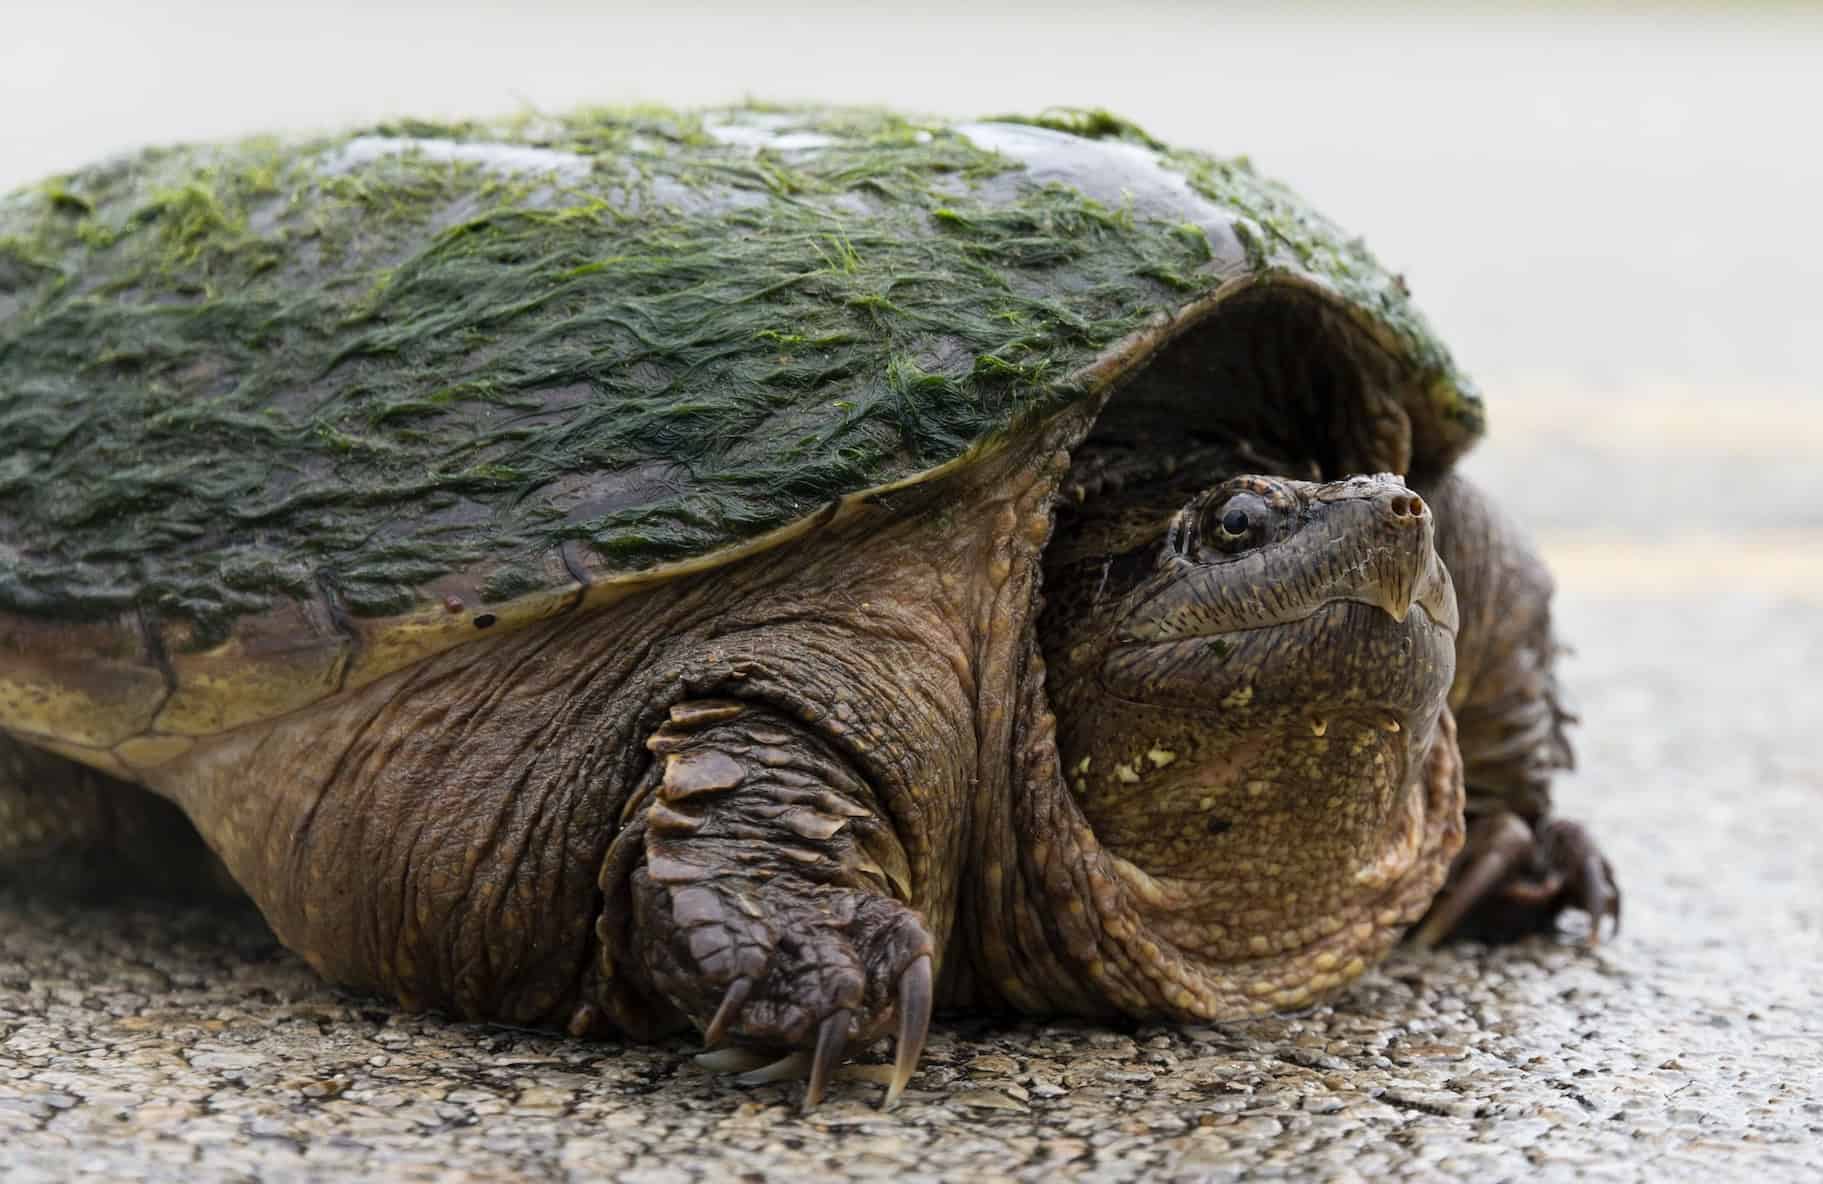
(1253,786)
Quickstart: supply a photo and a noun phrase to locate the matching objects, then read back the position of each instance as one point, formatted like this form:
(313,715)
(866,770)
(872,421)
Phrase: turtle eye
(1237,524)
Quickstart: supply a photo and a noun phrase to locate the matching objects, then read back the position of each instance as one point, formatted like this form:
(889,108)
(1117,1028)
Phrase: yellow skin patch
(1324,850)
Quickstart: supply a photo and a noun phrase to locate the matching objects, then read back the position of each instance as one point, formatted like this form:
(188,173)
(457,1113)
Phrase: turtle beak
(1395,596)
(1410,552)
(1403,568)
(1427,587)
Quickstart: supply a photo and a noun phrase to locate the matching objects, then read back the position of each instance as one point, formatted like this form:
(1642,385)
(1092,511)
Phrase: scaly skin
(772,897)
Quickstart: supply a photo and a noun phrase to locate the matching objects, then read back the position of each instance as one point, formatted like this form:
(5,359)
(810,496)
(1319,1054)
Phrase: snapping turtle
(771,571)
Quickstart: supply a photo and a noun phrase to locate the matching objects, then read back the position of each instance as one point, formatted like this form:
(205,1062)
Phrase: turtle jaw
(1349,653)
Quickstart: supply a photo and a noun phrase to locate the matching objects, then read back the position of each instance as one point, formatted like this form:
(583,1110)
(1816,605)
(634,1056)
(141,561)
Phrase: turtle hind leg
(71,830)
(1511,881)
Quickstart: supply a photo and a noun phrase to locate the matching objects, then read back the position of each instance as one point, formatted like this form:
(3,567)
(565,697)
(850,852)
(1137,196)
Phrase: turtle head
(1249,706)
(1265,583)
(1258,594)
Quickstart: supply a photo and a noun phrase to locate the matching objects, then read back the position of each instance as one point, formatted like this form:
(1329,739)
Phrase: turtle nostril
(1403,506)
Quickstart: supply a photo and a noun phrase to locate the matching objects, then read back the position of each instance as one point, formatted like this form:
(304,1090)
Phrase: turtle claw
(915,1000)
(734,1060)
(776,965)
(789,1067)
(753,1066)
(1511,880)
(1588,876)
(732,1002)
(832,1041)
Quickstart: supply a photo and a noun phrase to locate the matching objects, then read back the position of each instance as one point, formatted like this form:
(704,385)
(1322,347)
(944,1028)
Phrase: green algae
(1090,123)
(230,375)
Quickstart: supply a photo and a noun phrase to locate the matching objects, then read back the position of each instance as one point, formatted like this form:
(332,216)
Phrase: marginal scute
(273,664)
(387,645)
(97,758)
(89,686)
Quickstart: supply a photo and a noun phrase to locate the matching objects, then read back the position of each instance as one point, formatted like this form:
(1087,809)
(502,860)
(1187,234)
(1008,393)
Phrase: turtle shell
(280,418)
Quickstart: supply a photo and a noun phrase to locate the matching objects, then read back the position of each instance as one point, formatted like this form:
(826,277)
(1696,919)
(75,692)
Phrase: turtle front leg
(773,904)
(1520,867)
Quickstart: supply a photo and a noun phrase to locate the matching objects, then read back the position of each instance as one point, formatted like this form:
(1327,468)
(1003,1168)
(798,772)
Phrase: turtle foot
(789,975)
(1511,881)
